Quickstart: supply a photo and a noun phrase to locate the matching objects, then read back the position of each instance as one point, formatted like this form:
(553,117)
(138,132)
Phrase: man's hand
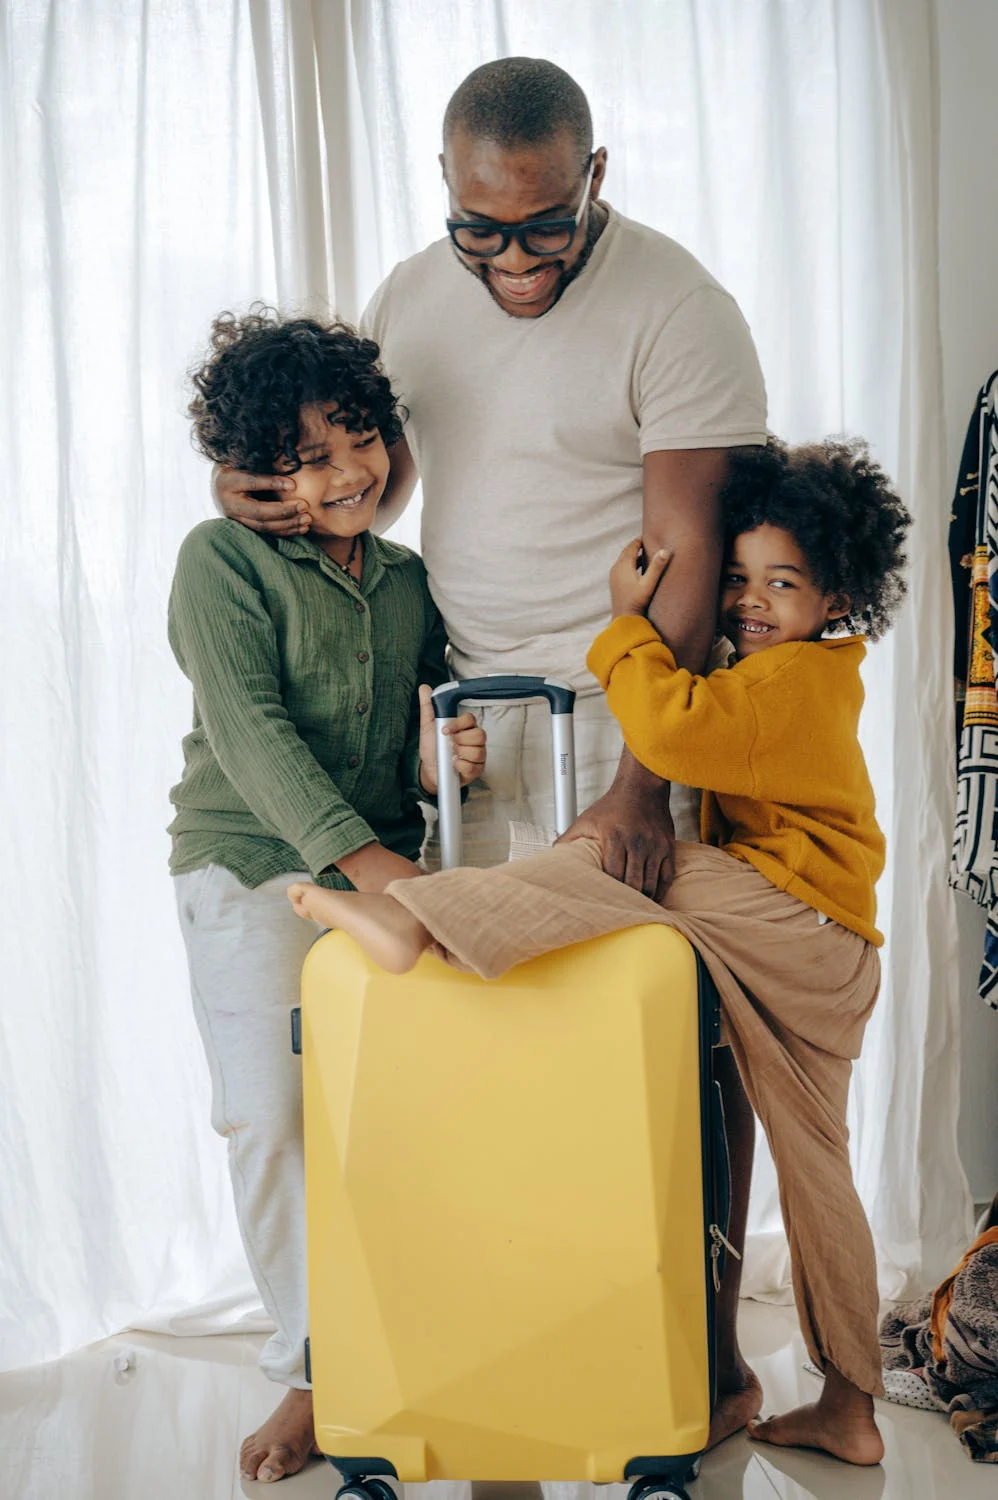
(255,500)
(468,746)
(633,826)
(631,589)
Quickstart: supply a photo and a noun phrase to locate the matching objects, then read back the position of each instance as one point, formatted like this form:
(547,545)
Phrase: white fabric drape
(161,161)
(134,206)
(907,1095)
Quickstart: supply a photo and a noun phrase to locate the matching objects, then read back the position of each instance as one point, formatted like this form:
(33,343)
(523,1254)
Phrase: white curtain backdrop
(161,161)
(134,206)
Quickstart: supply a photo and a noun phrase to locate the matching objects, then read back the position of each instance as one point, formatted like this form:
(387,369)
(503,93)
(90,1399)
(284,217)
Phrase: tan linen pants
(795,997)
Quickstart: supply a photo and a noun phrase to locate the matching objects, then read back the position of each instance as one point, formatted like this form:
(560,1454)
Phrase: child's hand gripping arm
(631,589)
(467,743)
(700,731)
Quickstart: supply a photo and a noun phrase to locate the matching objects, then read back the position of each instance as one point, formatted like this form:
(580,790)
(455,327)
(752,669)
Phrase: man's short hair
(520,101)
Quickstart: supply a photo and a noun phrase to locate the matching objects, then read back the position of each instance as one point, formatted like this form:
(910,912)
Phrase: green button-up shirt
(306,719)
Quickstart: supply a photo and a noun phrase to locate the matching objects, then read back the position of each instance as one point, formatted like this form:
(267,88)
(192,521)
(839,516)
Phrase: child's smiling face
(342,476)
(768,595)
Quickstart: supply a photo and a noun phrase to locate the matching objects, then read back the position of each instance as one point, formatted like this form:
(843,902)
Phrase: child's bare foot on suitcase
(285,1442)
(384,928)
(739,1401)
(840,1422)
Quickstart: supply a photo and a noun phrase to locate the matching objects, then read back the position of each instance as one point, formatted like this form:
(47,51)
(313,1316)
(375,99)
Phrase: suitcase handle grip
(502,688)
(510,688)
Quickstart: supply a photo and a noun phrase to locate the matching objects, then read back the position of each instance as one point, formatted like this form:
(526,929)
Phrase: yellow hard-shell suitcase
(513,1239)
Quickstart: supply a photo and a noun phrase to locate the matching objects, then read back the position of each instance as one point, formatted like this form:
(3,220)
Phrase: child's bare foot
(840,1422)
(387,932)
(285,1442)
(739,1400)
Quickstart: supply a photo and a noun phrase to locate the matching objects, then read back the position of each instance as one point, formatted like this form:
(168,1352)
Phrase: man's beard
(595,224)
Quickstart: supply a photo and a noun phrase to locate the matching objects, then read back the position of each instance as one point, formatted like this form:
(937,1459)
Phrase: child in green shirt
(312,658)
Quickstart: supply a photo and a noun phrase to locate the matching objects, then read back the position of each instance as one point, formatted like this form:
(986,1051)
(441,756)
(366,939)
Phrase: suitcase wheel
(661,1489)
(366,1489)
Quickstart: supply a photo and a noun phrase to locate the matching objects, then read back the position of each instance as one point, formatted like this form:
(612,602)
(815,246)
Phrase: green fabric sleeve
(225,642)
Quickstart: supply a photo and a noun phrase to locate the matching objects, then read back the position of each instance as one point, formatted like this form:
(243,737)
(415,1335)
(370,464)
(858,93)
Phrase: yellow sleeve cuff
(619,639)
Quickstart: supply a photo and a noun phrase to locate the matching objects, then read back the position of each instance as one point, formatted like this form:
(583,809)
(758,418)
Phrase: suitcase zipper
(719,1241)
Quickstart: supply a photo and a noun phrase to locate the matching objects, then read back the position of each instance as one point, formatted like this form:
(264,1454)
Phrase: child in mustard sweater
(779,897)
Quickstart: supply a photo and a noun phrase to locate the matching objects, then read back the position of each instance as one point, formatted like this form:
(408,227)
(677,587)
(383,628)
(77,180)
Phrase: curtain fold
(284,52)
(163,160)
(134,206)
(908,1094)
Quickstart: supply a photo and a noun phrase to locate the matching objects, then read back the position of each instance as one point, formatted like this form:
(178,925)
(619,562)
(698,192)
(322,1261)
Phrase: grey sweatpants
(245,949)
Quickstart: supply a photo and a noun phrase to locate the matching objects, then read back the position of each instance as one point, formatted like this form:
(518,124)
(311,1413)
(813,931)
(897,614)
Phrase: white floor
(168,1428)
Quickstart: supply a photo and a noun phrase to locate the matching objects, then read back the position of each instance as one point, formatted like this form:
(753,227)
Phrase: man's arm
(398,491)
(682,516)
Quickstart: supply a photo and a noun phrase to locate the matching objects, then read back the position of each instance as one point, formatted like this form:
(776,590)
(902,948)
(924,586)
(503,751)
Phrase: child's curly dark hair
(263,369)
(841,510)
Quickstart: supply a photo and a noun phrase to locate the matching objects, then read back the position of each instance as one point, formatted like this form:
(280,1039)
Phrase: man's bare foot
(388,933)
(739,1400)
(285,1442)
(840,1422)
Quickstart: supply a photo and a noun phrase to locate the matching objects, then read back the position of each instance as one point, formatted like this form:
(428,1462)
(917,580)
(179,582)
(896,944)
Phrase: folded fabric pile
(949,1343)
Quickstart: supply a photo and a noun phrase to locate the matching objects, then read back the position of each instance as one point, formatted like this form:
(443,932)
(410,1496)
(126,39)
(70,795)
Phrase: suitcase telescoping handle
(475,691)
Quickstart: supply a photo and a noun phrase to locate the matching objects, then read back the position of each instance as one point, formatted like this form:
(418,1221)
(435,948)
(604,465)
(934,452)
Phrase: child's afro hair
(840,508)
(261,371)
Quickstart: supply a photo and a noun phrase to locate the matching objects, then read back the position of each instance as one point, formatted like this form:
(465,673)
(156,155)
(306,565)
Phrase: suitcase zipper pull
(717,1241)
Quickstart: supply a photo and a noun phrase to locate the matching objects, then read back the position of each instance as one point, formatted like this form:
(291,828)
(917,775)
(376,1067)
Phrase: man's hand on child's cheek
(258,501)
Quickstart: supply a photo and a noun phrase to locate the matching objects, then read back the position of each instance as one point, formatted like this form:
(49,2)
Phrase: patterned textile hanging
(973,548)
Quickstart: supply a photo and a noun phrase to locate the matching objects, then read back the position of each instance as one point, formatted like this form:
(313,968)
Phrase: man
(572,378)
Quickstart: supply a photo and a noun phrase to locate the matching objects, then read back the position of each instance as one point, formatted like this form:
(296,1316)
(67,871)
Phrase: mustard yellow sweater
(773,742)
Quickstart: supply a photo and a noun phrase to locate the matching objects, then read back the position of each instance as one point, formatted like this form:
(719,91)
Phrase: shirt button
(362,706)
(353,762)
(363,656)
(359,607)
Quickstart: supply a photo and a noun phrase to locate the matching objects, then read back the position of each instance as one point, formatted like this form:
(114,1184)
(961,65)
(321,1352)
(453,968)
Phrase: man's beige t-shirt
(529,433)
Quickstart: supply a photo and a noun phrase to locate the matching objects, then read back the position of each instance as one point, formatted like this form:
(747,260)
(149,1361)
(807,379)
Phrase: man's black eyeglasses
(485,238)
